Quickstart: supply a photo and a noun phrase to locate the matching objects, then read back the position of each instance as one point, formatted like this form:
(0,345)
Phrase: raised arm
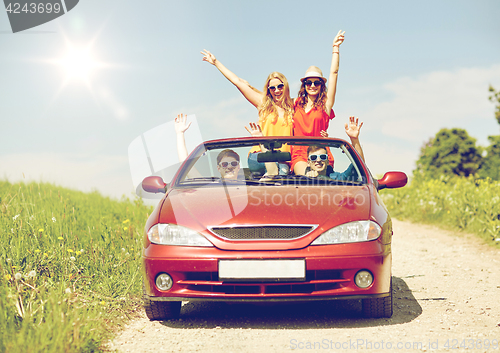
(255,131)
(181,126)
(251,94)
(352,130)
(334,70)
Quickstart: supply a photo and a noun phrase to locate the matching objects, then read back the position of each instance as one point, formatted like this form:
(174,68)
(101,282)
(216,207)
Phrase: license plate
(263,270)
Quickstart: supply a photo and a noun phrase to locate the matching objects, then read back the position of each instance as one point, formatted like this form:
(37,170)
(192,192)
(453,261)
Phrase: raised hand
(254,130)
(339,39)
(323,133)
(180,124)
(312,174)
(352,128)
(208,57)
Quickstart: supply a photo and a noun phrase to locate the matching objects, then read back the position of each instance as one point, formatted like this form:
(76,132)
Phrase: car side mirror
(154,184)
(392,180)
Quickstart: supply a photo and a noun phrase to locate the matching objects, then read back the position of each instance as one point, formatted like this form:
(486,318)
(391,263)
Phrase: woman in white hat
(274,104)
(313,106)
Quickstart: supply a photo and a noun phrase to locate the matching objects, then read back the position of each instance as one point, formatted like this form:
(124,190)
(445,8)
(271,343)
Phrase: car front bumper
(330,272)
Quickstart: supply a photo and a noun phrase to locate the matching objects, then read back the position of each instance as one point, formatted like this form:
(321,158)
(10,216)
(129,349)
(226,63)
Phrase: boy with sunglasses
(318,166)
(228,164)
(317,156)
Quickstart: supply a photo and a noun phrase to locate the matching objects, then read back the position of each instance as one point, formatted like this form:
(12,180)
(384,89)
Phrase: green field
(69,265)
(457,203)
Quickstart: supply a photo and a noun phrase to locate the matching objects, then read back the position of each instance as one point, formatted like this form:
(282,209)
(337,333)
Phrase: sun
(78,63)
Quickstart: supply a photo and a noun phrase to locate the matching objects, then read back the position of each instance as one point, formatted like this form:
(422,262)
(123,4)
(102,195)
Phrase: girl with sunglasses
(313,106)
(274,105)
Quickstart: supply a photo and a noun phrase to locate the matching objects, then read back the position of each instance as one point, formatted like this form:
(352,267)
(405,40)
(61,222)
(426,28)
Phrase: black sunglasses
(280,86)
(322,157)
(315,83)
(225,164)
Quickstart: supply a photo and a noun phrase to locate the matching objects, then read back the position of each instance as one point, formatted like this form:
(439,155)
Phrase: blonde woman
(274,105)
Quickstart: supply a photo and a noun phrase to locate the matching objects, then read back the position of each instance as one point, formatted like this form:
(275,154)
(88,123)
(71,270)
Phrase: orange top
(279,128)
(312,122)
(309,124)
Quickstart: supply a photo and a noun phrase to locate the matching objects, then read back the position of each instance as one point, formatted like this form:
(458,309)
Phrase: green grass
(457,203)
(69,267)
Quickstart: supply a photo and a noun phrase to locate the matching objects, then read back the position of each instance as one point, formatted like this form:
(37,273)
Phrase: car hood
(321,206)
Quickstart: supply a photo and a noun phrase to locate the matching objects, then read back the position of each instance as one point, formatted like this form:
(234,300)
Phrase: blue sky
(407,70)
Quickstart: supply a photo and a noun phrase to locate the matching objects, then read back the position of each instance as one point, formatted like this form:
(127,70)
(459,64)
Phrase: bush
(468,204)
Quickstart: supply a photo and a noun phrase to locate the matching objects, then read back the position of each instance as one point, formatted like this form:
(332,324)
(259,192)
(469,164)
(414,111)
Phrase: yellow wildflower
(7,277)
(126,221)
(40,230)
(69,250)
(60,238)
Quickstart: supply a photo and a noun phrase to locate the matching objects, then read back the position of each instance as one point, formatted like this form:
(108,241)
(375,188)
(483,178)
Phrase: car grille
(262,232)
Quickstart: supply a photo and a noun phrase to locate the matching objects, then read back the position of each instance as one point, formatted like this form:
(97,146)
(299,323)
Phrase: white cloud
(421,106)
(110,175)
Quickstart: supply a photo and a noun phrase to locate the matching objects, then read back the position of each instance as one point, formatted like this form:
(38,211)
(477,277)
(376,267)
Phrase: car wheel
(156,310)
(378,307)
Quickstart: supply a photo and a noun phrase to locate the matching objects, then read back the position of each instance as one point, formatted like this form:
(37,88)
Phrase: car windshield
(229,163)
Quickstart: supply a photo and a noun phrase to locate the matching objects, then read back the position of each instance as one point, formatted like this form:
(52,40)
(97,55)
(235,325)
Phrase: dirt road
(446,297)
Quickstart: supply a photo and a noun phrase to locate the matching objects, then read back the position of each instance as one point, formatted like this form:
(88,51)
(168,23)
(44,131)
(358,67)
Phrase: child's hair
(227,153)
(314,148)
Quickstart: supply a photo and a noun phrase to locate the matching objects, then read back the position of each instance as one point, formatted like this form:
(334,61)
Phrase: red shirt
(308,124)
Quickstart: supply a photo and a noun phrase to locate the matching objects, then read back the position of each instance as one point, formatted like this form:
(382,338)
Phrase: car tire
(378,307)
(159,310)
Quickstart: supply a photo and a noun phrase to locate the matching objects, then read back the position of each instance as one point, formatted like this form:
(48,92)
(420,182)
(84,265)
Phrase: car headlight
(172,234)
(351,232)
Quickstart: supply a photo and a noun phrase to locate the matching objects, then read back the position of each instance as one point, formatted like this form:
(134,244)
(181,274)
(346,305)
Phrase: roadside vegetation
(468,204)
(69,267)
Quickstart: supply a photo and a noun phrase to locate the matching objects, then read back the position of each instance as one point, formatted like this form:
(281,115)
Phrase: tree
(495,98)
(491,162)
(451,151)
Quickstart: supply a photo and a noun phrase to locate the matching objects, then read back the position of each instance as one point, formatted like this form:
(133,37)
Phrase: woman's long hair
(268,105)
(318,103)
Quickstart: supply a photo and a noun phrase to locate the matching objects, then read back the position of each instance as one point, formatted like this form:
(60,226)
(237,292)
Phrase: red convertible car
(223,232)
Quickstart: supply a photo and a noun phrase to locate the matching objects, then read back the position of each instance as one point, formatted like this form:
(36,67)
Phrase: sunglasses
(273,88)
(315,83)
(226,164)
(322,157)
